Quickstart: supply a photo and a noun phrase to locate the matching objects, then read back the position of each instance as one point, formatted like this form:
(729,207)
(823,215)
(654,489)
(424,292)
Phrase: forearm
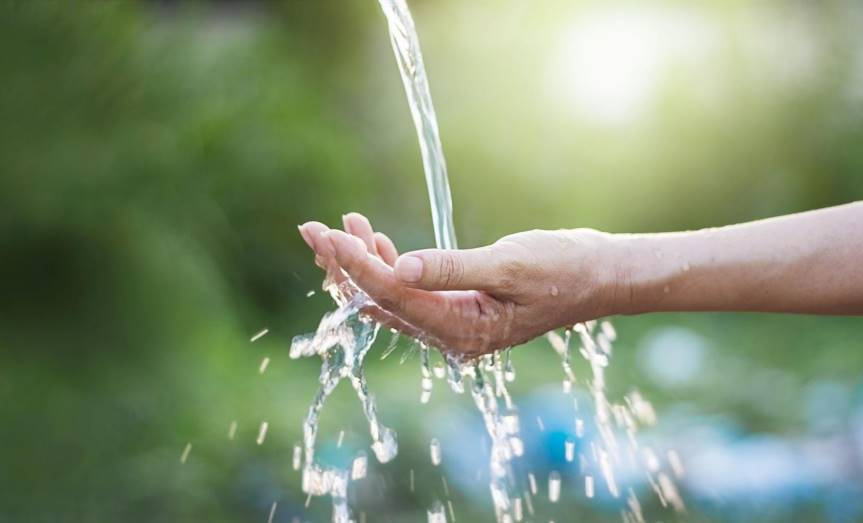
(804,263)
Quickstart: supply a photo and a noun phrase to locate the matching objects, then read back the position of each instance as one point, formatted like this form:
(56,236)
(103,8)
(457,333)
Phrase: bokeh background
(156,157)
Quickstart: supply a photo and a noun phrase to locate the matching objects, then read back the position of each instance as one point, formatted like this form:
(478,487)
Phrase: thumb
(439,270)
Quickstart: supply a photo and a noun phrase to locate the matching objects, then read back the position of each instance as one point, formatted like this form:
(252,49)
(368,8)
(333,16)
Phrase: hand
(472,301)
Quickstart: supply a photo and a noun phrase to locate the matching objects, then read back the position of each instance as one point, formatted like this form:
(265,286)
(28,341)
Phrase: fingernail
(409,269)
(304,235)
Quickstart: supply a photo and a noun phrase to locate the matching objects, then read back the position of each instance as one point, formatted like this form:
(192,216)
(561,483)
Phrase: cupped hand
(472,301)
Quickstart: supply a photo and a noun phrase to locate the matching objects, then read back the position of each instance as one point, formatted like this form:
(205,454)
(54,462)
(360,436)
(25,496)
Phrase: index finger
(422,309)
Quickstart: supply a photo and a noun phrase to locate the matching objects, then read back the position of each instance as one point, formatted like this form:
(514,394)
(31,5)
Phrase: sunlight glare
(611,61)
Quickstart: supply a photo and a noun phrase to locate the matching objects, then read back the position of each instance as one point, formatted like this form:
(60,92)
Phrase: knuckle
(391,302)
(450,270)
(510,273)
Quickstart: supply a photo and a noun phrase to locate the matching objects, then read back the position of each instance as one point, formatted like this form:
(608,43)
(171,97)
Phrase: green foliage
(157,158)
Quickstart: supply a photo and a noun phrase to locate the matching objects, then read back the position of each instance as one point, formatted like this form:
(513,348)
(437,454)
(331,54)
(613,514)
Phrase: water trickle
(342,340)
(426,383)
(406,47)
(394,340)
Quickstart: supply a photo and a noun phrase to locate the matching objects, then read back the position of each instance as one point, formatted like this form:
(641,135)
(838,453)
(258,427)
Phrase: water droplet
(262,432)
(426,385)
(264,364)
(554,291)
(528,503)
(517,512)
(425,396)
(310,293)
(651,461)
(554,486)
(517,446)
(258,335)
(297,457)
(608,330)
(579,427)
(670,492)
(666,289)
(436,513)
(605,468)
(359,466)
(531,479)
(685,266)
(386,447)
(508,367)
(569,449)
(232,429)
(435,450)
(676,463)
(588,486)
(185,455)
(340,439)
(272,512)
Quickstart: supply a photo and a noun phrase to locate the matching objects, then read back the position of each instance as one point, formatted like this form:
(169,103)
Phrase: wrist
(593,270)
(637,279)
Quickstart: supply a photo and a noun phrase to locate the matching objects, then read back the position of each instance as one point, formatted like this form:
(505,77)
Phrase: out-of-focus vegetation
(156,158)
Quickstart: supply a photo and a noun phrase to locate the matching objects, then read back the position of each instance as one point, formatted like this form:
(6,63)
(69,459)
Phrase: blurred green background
(156,157)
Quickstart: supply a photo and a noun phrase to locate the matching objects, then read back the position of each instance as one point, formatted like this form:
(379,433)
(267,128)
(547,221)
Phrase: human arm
(475,301)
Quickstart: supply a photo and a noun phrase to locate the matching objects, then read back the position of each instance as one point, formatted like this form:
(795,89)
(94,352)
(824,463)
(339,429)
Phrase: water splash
(617,424)
(344,337)
(342,340)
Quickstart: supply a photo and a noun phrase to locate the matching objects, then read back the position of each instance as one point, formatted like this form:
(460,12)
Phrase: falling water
(344,337)
(406,46)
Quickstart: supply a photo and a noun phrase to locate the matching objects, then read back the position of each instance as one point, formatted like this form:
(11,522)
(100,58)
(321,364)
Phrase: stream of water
(344,337)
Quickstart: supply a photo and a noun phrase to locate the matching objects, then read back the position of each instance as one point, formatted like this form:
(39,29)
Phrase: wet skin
(475,301)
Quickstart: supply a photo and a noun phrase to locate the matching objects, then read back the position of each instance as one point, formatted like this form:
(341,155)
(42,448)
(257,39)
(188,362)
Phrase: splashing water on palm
(344,337)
